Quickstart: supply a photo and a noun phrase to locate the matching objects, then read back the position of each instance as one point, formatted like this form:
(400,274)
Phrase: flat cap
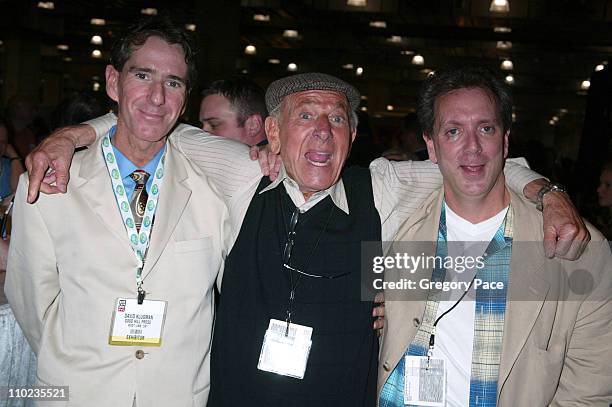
(309,81)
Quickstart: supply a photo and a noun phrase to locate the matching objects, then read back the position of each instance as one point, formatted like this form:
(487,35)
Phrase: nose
(206,127)
(157,93)
(323,128)
(472,142)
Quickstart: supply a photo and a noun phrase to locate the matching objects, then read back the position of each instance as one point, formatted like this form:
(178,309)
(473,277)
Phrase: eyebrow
(149,70)
(314,101)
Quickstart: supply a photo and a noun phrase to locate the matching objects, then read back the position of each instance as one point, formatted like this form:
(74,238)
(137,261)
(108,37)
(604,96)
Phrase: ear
(431,148)
(253,125)
(506,143)
(273,134)
(112,80)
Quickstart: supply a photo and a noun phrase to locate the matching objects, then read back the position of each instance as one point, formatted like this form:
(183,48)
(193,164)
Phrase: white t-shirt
(455,332)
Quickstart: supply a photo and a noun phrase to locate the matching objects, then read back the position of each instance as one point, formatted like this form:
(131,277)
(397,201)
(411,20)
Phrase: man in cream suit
(118,320)
(531,331)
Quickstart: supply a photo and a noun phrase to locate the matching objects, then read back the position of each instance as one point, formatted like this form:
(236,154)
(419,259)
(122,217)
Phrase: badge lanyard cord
(139,240)
(295,283)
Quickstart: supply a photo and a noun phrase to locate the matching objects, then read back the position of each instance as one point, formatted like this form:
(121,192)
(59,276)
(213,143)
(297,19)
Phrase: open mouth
(317,158)
(152,116)
(473,170)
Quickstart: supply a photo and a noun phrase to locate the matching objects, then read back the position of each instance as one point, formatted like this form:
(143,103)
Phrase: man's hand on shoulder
(48,164)
(565,234)
(268,161)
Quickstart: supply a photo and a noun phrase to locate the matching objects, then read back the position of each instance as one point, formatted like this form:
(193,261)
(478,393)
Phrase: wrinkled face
(313,136)
(150,90)
(604,192)
(468,144)
(219,118)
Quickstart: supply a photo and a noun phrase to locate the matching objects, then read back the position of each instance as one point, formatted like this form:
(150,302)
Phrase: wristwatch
(550,187)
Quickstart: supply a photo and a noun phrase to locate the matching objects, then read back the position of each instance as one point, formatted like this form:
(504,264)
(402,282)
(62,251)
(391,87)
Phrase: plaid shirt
(488,321)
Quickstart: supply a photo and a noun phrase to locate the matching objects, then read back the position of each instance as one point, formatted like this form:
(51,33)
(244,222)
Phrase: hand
(565,234)
(269,162)
(379,311)
(50,161)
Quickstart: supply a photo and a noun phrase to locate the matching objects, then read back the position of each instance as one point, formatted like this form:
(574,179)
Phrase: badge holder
(137,325)
(285,349)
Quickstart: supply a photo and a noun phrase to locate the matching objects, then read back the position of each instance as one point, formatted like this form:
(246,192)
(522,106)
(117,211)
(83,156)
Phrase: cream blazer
(70,259)
(557,344)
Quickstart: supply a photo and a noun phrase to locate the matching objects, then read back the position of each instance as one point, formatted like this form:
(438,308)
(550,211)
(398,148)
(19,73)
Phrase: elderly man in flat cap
(291,327)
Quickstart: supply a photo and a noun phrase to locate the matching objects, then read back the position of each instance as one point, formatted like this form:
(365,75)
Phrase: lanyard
(442,231)
(139,241)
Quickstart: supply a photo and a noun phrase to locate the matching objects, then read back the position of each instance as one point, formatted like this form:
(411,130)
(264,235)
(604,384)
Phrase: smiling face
(469,145)
(313,136)
(150,90)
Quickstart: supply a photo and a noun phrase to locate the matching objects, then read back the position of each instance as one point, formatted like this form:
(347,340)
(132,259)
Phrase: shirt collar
(336,192)
(126,167)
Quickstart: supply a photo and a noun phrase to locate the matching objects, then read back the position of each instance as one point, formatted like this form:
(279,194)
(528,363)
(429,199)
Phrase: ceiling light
(364,109)
(378,24)
(504,30)
(67,59)
(290,34)
(96,53)
(513,116)
(551,122)
(96,40)
(509,79)
(406,52)
(356,3)
(426,71)
(95,78)
(395,39)
(62,47)
(97,21)
(390,108)
(364,97)
(47,5)
(500,6)
(418,60)
(190,27)
(292,67)
(150,11)
(599,67)
(507,65)
(261,17)
(585,85)
(1,43)
(274,61)
(504,44)
(555,119)
(245,71)
(96,86)
(348,66)
(359,71)
(563,111)
(250,50)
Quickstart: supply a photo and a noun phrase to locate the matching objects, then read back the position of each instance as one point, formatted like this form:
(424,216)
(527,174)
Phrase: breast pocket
(193,245)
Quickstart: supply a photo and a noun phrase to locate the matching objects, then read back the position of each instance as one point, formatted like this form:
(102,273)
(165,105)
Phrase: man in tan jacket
(513,328)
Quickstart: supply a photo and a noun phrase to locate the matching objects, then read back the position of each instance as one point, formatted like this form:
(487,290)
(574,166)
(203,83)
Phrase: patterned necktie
(138,203)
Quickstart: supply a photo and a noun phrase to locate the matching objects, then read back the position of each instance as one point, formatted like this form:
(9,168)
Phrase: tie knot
(140,177)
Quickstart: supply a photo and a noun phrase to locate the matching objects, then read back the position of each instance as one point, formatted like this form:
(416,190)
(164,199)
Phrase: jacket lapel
(173,199)
(94,183)
(420,234)
(527,291)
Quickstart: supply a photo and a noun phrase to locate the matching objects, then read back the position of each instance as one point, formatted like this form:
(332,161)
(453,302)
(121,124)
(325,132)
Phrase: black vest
(342,366)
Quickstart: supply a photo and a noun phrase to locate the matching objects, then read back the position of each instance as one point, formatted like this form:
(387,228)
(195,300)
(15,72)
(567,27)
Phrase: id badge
(424,382)
(285,352)
(135,324)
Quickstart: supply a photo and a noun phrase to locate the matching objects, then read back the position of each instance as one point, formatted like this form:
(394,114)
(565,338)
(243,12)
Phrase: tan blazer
(70,259)
(555,351)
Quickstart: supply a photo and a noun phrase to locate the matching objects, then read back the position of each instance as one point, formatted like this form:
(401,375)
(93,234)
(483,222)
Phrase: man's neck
(139,152)
(478,209)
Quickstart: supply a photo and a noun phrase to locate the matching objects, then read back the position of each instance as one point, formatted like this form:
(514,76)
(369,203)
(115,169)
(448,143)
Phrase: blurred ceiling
(555,44)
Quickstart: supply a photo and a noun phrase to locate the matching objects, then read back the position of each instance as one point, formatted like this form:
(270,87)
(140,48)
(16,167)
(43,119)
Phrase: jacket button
(386,366)
(140,354)
(416,322)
